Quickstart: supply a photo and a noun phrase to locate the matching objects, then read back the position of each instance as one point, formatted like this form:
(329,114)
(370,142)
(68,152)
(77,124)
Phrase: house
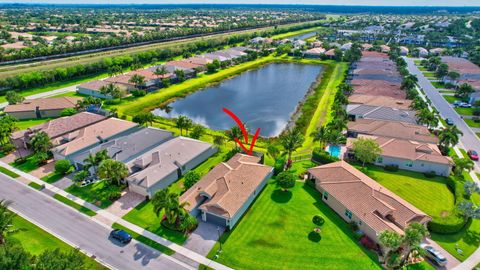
(224,194)
(188,68)
(57,127)
(357,198)
(41,108)
(14,46)
(93,88)
(330,53)
(122,80)
(403,50)
(366,46)
(314,52)
(127,147)
(385,48)
(422,52)
(408,155)
(360,111)
(386,101)
(257,40)
(346,46)
(390,129)
(87,137)
(378,88)
(436,51)
(161,166)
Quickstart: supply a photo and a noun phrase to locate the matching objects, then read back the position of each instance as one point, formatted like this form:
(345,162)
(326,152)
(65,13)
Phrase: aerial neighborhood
(239,137)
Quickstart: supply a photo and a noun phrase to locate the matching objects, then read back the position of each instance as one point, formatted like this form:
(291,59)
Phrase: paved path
(55,92)
(80,231)
(451,261)
(203,238)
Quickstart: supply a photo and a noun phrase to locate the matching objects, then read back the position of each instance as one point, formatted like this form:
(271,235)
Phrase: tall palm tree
(320,135)
(169,203)
(109,89)
(160,71)
(40,142)
(291,140)
(6,219)
(90,162)
(183,122)
(426,117)
(113,171)
(137,80)
(449,136)
(234,132)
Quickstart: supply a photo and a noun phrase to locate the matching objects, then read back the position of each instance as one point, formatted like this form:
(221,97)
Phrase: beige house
(224,194)
(41,108)
(373,100)
(357,198)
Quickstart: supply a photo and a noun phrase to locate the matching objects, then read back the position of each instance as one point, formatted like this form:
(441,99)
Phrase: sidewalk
(105,218)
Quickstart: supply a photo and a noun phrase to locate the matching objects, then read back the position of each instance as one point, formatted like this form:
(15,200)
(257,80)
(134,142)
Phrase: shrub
(190,179)
(391,168)
(476,119)
(123,117)
(138,93)
(63,166)
(20,160)
(7,148)
(430,174)
(318,220)
(353,225)
(68,112)
(279,165)
(322,156)
(286,180)
(114,195)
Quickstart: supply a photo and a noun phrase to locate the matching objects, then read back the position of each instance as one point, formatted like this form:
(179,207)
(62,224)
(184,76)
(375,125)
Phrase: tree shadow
(314,237)
(280,196)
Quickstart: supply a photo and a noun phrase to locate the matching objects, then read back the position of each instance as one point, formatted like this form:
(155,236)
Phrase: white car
(434,255)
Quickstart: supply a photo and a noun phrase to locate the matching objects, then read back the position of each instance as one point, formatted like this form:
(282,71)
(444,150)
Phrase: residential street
(81,231)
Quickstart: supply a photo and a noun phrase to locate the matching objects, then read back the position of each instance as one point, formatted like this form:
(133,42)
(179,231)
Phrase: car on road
(121,236)
(472,154)
(449,121)
(434,255)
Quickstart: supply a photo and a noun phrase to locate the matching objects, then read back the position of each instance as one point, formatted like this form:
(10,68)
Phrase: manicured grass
(77,206)
(35,185)
(464,111)
(431,195)
(36,241)
(429,74)
(52,177)
(8,172)
(145,240)
(97,193)
(471,123)
(447,91)
(277,228)
(450,99)
(438,85)
(29,165)
(24,124)
(464,152)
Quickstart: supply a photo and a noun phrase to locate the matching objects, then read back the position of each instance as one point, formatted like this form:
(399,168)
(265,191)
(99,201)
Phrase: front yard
(97,193)
(274,234)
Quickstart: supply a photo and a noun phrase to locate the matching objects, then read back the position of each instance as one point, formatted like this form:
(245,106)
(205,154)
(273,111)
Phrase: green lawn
(417,189)
(27,166)
(35,240)
(464,111)
(8,172)
(52,177)
(24,124)
(145,240)
(274,234)
(450,99)
(96,193)
(75,205)
(471,123)
(35,185)
(429,74)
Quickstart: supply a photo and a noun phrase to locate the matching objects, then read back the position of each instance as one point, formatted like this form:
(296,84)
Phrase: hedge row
(321,156)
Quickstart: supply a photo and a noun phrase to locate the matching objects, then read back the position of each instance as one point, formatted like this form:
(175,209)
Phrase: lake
(304,36)
(262,98)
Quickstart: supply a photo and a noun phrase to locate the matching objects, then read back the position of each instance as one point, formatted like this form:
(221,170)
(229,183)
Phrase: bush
(353,225)
(318,220)
(286,180)
(231,153)
(63,166)
(430,174)
(20,160)
(391,168)
(113,101)
(190,179)
(114,195)
(138,93)
(7,148)
(476,119)
(279,166)
(321,156)
(68,112)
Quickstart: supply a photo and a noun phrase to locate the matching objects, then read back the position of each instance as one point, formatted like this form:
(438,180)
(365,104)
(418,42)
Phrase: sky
(315,2)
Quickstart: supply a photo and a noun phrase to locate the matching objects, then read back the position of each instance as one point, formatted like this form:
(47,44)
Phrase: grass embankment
(36,241)
(74,205)
(278,225)
(145,240)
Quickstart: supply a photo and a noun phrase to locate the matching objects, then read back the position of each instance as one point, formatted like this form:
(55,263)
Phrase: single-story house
(224,194)
(123,80)
(41,108)
(316,52)
(127,147)
(385,48)
(422,52)
(408,155)
(366,46)
(386,101)
(159,167)
(355,197)
(92,88)
(57,127)
(346,46)
(403,50)
(360,111)
(87,137)
(151,80)
(390,129)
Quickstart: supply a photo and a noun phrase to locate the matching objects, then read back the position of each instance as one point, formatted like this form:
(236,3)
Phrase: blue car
(121,236)
(449,121)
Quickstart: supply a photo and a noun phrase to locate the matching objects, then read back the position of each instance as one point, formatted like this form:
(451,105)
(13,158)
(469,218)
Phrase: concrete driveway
(125,204)
(203,238)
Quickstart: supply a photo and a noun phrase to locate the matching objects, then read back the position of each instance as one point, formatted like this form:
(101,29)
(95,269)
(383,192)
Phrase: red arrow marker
(239,123)
(244,132)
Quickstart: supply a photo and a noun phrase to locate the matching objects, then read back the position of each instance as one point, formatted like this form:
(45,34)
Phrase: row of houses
(41,108)
(154,76)
(378,110)
(469,74)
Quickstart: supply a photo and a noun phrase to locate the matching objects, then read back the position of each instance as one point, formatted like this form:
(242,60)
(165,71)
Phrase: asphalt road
(80,230)
(469,140)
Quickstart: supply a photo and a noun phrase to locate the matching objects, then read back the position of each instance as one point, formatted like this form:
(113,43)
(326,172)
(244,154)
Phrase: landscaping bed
(27,165)
(8,172)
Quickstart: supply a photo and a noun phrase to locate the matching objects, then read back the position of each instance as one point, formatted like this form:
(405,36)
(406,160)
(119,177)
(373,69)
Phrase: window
(422,165)
(409,164)
(325,195)
(348,213)
(379,159)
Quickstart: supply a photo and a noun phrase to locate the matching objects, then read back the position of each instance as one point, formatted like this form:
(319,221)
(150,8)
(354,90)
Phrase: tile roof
(148,74)
(122,78)
(90,135)
(183,64)
(380,101)
(407,149)
(461,65)
(58,103)
(392,129)
(375,205)
(378,88)
(228,185)
(382,113)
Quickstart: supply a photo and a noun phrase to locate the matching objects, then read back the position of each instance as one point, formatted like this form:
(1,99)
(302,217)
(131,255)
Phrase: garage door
(216,220)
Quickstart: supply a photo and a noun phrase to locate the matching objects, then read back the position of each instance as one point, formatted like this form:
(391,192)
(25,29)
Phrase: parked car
(457,103)
(465,105)
(472,154)
(449,121)
(121,236)
(434,255)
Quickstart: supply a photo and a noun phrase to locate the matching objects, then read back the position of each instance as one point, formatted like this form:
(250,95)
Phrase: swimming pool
(334,150)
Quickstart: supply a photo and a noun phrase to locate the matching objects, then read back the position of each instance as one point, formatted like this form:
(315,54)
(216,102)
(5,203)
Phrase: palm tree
(320,135)
(291,140)
(169,203)
(6,219)
(137,80)
(426,117)
(462,164)
(219,140)
(449,136)
(465,90)
(160,71)
(273,151)
(90,162)
(234,132)
(113,171)
(417,103)
(183,122)
(40,142)
(109,89)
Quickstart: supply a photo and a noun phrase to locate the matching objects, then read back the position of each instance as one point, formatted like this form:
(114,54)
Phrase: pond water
(263,98)
(304,35)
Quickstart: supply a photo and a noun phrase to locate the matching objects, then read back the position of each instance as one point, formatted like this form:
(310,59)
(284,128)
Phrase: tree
(68,112)
(461,165)
(470,187)
(63,166)
(160,71)
(291,140)
(464,90)
(449,137)
(113,171)
(321,135)
(442,70)
(197,131)
(111,89)
(58,260)
(219,140)
(390,240)
(40,142)
(180,75)
(169,203)
(234,132)
(7,127)
(191,178)
(453,75)
(183,122)
(6,219)
(366,150)
(427,117)
(468,210)
(137,80)
(13,97)
(13,257)
(81,176)
(286,180)
(273,151)
(144,118)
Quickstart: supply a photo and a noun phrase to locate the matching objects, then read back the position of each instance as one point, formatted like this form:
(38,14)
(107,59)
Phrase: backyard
(277,227)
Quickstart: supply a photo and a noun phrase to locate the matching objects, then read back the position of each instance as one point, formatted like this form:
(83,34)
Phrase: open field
(277,227)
